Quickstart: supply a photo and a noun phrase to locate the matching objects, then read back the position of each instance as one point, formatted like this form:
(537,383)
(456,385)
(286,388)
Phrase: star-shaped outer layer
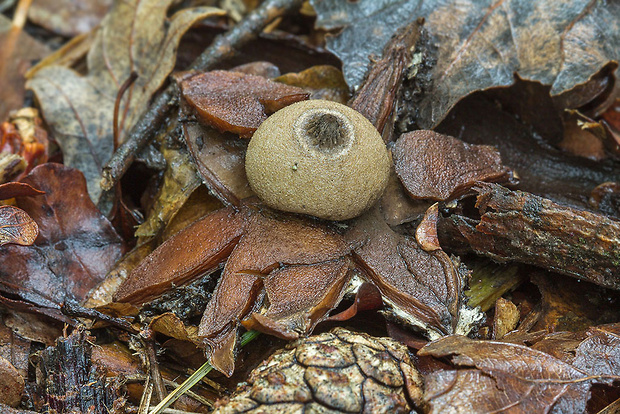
(284,273)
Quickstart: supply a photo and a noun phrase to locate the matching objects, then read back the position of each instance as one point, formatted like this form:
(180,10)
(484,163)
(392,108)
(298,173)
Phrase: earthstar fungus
(319,158)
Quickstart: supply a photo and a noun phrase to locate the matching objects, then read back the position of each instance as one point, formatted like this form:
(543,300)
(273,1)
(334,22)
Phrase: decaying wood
(71,383)
(526,228)
(376,97)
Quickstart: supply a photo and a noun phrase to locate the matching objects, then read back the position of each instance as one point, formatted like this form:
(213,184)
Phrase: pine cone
(336,372)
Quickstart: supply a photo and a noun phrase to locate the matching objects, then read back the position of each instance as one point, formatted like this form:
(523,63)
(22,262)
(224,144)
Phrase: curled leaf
(236,102)
(17,189)
(440,167)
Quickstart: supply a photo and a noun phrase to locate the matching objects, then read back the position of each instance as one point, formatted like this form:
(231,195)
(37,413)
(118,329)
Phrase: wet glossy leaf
(235,102)
(76,245)
(440,167)
(509,378)
(17,227)
(479,44)
(135,36)
(599,353)
(526,112)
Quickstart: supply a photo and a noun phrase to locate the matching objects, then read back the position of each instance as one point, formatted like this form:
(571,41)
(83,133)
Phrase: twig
(72,308)
(117,105)
(158,383)
(21,13)
(222,47)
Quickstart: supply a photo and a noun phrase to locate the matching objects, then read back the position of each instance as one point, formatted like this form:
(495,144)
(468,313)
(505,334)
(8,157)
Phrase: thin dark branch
(117,105)
(74,309)
(222,47)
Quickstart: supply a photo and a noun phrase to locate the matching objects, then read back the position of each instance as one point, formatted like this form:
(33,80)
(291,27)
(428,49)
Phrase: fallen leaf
(75,248)
(509,378)
(68,17)
(134,36)
(170,325)
(478,45)
(498,118)
(440,167)
(505,319)
(179,182)
(11,166)
(560,345)
(599,353)
(32,327)
(571,305)
(583,137)
(14,348)
(24,135)
(17,189)
(235,102)
(323,82)
(16,227)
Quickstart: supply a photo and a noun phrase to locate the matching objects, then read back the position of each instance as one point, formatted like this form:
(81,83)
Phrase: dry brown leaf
(134,36)
(509,378)
(440,167)
(233,101)
(16,226)
(323,82)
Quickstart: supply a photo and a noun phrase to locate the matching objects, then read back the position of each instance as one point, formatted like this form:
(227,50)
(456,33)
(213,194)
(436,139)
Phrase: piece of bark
(72,383)
(376,97)
(523,227)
